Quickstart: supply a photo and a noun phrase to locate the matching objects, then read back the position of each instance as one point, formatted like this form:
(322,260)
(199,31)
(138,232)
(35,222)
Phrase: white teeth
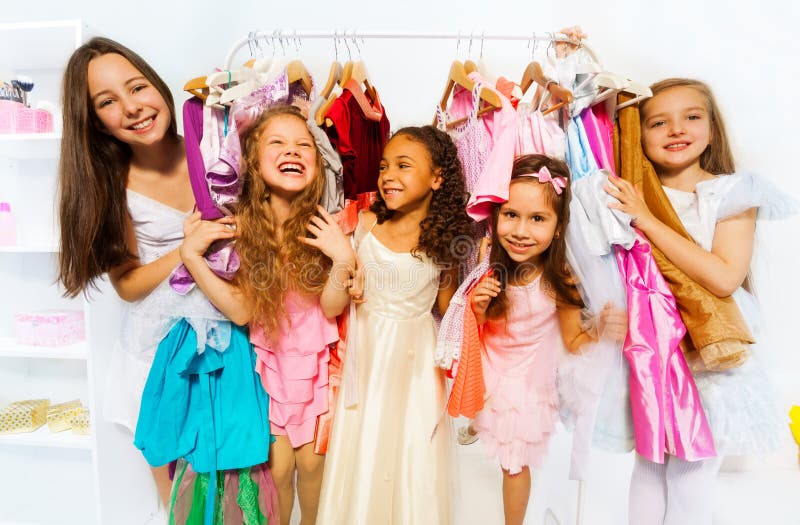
(142,125)
(291,167)
(676,146)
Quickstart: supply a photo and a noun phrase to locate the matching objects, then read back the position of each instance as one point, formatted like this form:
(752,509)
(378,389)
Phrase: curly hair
(447,223)
(555,270)
(270,265)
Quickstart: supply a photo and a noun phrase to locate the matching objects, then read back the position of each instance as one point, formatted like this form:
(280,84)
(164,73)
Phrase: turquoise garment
(209,408)
(579,157)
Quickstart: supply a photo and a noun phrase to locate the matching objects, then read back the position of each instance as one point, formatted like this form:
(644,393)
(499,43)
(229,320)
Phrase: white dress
(159,230)
(740,403)
(383,465)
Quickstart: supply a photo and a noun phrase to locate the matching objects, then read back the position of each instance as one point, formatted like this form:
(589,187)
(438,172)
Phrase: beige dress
(383,466)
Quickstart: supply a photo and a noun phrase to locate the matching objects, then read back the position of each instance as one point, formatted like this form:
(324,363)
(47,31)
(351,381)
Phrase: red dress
(358,129)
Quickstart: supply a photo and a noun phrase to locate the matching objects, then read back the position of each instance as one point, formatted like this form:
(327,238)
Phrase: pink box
(43,122)
(7,108)
(24,120)
(49,327)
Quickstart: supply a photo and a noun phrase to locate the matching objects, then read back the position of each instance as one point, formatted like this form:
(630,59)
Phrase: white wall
(747,51)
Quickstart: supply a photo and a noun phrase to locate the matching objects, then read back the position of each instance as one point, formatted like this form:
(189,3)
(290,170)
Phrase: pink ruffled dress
(294,367)
(520,359)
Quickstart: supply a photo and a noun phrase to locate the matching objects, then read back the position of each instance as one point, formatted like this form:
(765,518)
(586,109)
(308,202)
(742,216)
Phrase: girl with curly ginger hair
(292,283)
(385,463)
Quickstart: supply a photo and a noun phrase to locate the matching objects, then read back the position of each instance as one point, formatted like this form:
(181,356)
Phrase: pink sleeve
(492,185)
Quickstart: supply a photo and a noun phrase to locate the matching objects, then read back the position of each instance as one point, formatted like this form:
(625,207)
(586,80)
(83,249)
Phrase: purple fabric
(668,416)
(193,133)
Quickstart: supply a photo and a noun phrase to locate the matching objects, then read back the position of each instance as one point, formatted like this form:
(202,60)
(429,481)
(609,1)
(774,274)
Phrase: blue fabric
(209,408)
(579,157)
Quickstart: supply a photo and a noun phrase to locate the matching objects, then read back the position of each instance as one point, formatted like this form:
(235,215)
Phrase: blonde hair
(717,158)
(270,266)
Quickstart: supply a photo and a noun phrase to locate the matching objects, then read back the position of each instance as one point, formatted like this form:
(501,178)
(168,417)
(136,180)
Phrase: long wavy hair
(269,265)
(717,158)
(446,229)
(555,270)
(93,173)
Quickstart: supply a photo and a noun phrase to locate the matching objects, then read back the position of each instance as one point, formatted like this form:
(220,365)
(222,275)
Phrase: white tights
(676,493)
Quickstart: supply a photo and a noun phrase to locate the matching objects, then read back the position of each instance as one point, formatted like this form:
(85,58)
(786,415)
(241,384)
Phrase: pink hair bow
(559,183)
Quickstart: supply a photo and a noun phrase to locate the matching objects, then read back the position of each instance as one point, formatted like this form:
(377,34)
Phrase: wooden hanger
(296,71)
(334,76)
(533,73)
(197,87)
(470,66)
(458,75)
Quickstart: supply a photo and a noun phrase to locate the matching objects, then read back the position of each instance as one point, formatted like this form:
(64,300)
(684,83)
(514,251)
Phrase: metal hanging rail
(354,36)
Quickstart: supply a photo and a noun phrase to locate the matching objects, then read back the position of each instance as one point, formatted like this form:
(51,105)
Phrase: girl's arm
(722,270)
(134,281)
(330,240)
(611,323)
(226,297)
(448,285)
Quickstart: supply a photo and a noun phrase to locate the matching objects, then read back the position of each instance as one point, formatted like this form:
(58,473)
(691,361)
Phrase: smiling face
(287,155)
(406,177)
(676,129)
(127,105)
(527,222)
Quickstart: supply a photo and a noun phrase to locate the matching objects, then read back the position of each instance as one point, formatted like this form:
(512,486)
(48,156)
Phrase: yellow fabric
(715,327)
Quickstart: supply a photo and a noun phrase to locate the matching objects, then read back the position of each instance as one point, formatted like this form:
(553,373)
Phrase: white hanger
(641,91)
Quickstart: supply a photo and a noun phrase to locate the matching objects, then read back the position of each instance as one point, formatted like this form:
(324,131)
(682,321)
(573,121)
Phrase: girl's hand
(630,201)
(482,295)
(613,323)
(355,286)
(199,234)
(483,248)
(329,238)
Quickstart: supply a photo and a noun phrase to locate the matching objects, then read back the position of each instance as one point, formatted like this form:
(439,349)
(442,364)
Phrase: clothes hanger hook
(250,37)
(469,51)
(297,43)
(335,45)
(483,35)
(458,42)
(355,43)
(346,45)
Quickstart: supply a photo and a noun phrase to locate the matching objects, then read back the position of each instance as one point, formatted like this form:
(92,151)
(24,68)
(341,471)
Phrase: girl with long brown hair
(523,304)
(124,193)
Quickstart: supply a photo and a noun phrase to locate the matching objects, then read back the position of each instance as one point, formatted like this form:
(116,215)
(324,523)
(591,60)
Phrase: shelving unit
(44,438)
(94,479)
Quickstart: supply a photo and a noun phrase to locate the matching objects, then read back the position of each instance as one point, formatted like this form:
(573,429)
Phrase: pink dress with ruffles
(520,358)
(294,367)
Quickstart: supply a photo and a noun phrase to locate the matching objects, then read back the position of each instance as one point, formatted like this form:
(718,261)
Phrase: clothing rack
(354,36)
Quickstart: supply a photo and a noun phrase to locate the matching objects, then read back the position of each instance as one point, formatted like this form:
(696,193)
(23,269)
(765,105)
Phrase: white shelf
(44,438)
(9,348)
(30,145)
(39,45)
(29,249)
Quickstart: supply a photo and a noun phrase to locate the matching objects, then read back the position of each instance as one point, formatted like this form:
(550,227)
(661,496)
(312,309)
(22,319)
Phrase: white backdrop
(747,52)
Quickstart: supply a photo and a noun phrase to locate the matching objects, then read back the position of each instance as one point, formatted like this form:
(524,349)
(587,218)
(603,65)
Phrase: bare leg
(163,483)
(281,464)
(309,481)
(516,491)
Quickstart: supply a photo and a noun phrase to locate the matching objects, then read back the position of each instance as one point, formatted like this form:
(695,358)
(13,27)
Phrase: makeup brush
(25,83)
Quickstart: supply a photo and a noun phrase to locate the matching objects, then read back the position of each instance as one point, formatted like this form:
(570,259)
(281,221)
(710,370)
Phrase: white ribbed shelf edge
(44,438)
(9,348)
